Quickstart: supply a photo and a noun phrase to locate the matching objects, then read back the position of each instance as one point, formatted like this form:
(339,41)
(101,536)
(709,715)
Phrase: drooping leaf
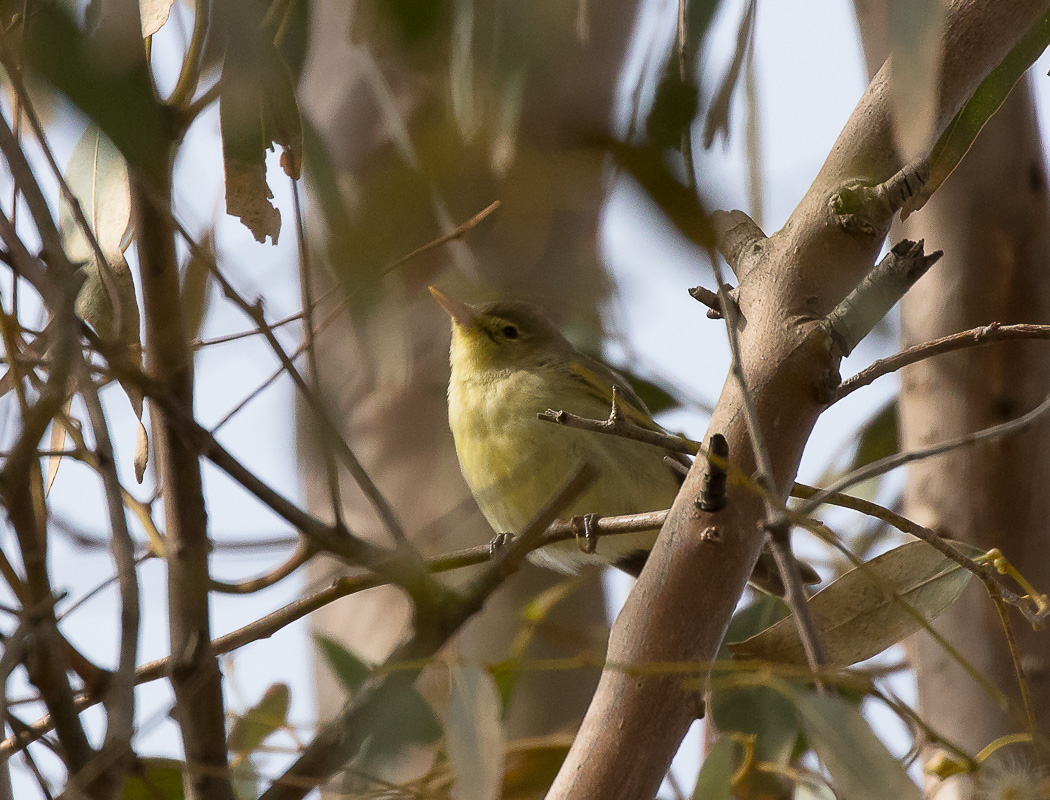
(98,177)
(857,618)
(260,721)
(962,131)
(474,737)
(348,668)
(757,711)
(715,779)
(154,779)
(141,452)
(860,765)
(154,14)
(718,113)
(257,110)
(915,66)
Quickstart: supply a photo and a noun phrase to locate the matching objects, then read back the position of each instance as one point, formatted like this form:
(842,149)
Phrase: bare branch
(975,337)
(853,318)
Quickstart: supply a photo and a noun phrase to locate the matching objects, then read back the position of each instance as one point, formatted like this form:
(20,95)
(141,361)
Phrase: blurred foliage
(759,712)
(118,97)
(962,131)
(154,779)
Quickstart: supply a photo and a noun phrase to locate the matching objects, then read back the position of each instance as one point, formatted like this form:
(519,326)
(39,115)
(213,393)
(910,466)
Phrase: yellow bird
(509,363)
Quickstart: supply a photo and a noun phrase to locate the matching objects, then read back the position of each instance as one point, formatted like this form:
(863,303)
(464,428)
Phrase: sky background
(810,74)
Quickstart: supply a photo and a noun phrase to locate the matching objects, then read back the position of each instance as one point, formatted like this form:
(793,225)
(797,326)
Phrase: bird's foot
(586,530)
(498,542)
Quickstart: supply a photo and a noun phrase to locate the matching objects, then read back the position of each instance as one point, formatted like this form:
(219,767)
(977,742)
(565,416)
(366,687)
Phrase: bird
(510,364)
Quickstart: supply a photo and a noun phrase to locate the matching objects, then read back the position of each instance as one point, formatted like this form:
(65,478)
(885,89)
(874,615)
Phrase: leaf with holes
(257,110)
(858,616)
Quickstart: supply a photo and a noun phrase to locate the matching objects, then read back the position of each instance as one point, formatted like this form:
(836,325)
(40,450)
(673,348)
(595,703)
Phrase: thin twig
(975,337)
(884,465)
(337,740)
(263,628)
(301,555)
(120,695)
(306,296)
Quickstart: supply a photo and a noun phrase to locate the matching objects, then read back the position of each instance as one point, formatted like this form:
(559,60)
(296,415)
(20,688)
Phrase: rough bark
(680,607)
(385,365)
(992,219)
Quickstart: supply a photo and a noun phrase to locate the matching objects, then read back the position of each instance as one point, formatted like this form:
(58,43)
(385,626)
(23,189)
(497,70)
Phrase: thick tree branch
(687,592)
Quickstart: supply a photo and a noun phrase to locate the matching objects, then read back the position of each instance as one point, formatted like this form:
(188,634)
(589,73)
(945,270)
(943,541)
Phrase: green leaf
(674,108)
(260,721)
(962,131)
(860,766)
(757,711)
(416,21)
(348,668)
(154,779)
(878,438)
(474,737)
(715,779)
(857,618)
(244,778)
(257,109)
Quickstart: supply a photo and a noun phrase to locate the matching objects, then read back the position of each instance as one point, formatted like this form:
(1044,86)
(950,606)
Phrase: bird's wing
(598,379)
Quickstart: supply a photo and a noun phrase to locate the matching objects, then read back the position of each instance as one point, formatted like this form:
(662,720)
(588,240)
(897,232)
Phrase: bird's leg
(585,529)
(498,542)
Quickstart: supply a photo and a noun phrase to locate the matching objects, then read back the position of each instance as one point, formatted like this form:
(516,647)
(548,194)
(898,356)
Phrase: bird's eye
(510,332)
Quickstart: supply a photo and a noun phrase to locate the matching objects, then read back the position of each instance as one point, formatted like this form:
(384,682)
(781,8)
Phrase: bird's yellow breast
(514,463)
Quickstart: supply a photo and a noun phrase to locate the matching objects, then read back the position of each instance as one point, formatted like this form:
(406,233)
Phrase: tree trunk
(992,220)
(384,365)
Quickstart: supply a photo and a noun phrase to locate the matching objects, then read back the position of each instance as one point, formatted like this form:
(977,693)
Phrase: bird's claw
(585,529)
(498,542)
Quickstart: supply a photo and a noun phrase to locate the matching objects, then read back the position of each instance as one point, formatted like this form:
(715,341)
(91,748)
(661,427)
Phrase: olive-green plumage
(509,364)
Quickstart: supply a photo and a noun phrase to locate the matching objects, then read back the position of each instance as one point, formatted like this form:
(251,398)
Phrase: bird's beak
(461,313)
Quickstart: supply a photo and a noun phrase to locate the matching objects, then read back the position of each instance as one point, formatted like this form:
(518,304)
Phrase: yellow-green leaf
(154,779)
(260,721)
(856,617)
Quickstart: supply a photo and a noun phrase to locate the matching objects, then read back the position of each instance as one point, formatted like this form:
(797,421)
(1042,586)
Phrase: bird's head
(500,336)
